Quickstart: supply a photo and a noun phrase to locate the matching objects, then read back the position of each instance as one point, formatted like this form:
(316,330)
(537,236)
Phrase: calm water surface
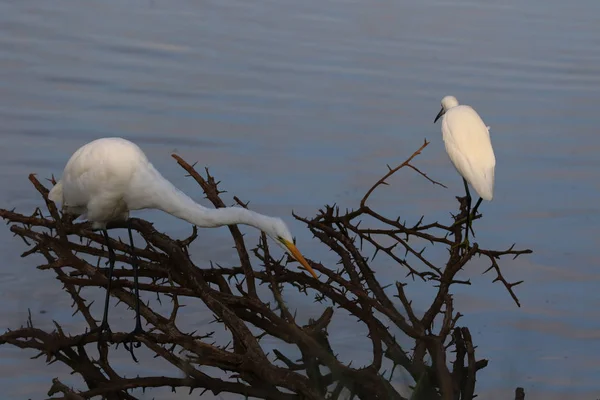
(297,104)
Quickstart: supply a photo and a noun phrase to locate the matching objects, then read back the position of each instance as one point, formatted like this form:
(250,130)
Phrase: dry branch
(233,296)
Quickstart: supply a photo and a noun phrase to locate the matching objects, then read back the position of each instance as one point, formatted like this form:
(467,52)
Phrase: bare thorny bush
(442,361)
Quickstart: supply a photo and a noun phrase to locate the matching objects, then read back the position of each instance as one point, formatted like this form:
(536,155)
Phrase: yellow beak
(296,253)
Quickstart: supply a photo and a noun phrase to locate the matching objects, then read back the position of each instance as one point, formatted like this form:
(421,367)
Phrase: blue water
(297,104)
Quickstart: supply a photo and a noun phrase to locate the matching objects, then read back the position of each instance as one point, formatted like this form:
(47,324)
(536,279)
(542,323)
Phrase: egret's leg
(138,323)
(476,206)
(111,267)
(104,327)
(473,214)
(468,212)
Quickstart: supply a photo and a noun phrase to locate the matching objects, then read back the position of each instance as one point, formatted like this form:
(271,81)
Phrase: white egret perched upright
(467,141)
(107,178)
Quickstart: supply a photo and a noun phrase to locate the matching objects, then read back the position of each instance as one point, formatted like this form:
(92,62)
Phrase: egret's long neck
(203,217)
(154,191)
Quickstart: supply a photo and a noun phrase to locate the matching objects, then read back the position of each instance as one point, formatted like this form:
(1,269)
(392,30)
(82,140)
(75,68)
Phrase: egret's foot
(470,226)
(129,341)
(464,220)
(103,331)
(462,245)
(104,335)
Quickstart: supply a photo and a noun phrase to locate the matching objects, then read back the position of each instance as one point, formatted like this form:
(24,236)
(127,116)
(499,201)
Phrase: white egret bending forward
(107,178)
(467,141)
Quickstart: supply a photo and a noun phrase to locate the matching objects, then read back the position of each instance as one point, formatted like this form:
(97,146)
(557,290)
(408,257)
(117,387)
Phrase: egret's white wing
(468,144)
(96,176)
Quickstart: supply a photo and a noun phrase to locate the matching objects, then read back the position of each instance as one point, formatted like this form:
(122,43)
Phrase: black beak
(439,115)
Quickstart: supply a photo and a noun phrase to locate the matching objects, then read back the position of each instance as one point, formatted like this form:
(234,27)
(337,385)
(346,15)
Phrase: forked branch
(267,351)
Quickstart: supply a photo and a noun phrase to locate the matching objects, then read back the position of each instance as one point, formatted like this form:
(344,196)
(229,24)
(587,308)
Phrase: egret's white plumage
(467,141)
(108,177)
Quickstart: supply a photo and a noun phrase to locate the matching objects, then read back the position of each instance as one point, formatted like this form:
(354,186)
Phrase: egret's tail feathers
(56,193)
(488,196)
(485,186)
